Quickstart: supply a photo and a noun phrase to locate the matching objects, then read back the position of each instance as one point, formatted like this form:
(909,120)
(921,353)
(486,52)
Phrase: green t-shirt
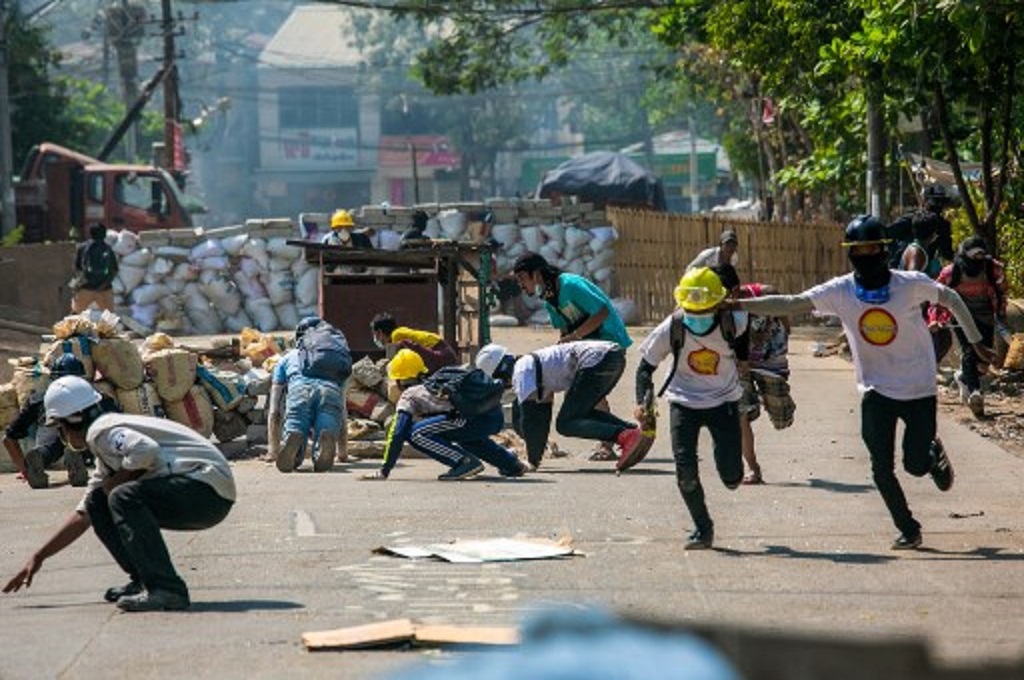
(579,299)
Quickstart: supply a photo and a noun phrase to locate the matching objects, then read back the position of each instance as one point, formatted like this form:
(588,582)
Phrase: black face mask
(871,271)
(970,266)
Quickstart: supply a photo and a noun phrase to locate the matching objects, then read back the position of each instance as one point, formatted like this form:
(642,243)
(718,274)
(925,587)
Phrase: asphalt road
(808,552)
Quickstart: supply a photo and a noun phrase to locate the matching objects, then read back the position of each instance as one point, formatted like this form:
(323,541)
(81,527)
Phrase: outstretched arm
(778,305)
(74,526)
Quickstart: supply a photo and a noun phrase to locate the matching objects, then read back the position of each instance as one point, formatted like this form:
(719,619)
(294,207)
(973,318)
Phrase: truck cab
(60,189)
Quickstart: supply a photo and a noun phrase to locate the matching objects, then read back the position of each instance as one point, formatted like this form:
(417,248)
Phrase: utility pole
(168,29)
(7,215)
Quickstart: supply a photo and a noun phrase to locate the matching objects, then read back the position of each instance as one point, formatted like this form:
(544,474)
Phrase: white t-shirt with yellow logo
(891,346)
(706,376)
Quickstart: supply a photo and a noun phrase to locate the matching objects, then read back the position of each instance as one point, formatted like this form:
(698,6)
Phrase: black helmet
(864,230)
(66,364)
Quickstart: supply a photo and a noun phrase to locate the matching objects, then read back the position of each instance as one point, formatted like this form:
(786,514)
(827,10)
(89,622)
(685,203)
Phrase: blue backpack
(324,354)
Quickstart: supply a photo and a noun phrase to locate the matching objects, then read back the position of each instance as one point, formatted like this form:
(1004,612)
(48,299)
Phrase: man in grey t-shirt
(151,474)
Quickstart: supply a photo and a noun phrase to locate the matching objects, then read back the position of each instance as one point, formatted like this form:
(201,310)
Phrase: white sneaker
(976,402)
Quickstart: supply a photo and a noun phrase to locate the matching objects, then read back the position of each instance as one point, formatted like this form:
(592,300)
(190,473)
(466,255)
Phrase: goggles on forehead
(698,295)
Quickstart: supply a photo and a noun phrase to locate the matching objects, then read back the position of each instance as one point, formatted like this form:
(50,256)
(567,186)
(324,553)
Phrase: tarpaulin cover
(604,177)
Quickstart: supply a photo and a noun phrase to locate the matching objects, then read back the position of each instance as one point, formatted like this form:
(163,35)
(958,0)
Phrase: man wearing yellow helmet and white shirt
(709,350)
(432,425)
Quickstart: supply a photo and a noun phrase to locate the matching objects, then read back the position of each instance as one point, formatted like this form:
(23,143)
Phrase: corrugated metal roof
(314,36)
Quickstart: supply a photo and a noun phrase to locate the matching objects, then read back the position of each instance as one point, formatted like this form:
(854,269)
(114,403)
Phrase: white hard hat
(67,396)
(488,358)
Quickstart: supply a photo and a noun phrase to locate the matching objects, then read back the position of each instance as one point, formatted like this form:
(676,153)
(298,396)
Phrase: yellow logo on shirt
(704,361)
(878,327)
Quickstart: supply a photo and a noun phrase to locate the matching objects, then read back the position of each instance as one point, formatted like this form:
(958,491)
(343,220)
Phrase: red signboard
(432,151)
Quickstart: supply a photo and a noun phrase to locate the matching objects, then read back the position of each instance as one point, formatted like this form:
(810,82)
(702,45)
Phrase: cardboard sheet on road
(486,550)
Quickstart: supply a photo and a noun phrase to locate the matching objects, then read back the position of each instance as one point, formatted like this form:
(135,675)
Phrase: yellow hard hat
(406,365)
(699,290)
(341,219)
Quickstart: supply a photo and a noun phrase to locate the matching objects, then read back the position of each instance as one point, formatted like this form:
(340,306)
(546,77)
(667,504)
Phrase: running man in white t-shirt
(703,390)
(880,310)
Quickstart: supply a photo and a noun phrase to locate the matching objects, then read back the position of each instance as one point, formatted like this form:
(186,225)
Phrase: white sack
(279,248)
(138,258)
(307,288)
(208,248)
(127,242)
(262,313)
(287,315)
(149,294)
(232,245)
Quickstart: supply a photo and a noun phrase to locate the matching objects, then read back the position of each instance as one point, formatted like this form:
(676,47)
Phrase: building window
(312,108)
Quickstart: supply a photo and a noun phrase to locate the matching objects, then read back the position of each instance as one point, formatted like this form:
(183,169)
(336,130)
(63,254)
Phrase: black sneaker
(154,601)
(905,542)
(465,469)
(518,471)
(701,539)
(942,469)
(117,592)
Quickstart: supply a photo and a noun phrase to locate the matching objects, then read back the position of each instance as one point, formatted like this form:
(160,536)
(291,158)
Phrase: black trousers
(969,359)
(878,430)
(723,422)
(128,523)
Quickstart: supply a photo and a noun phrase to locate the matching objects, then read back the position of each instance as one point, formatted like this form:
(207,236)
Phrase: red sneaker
(633,446)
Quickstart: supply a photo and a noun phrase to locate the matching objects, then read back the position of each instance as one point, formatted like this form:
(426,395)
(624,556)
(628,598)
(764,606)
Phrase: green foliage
(14,237)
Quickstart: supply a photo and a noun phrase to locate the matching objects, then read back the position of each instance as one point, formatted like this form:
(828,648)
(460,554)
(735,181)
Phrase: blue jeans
(450,438)
(312,406)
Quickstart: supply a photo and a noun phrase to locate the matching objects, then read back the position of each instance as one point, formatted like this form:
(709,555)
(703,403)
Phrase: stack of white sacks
(227,279)
(217,285)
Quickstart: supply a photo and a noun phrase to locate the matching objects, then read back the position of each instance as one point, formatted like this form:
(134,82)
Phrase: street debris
(485,550)
(405,631)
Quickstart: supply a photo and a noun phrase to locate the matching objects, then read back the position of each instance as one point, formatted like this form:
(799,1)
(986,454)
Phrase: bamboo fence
(654,249)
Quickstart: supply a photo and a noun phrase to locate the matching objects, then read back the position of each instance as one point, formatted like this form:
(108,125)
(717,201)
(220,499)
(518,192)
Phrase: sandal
(603,452)
(753,478)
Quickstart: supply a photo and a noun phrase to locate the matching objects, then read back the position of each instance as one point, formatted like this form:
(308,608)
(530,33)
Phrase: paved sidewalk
(808,551)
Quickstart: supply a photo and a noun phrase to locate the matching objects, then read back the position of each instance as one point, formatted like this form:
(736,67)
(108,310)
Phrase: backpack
(677,337)
(324,354)
(98,262)
(470,391)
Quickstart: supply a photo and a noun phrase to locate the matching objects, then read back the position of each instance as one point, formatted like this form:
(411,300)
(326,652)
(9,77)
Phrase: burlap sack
(1015,354)
(8,404)
(29,380)
(194,411)
(224,387)
(106,389)
(229,425)
(173,372)
(142,401)
(118,361)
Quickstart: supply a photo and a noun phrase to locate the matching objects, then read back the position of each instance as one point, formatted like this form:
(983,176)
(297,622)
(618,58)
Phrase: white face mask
(538,289)
(377,341)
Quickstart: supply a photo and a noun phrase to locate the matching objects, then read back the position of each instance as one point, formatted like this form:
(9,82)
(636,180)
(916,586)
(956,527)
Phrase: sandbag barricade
(118,361)
(194,411)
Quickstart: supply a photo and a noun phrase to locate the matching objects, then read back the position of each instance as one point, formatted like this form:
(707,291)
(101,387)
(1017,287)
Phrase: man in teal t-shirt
(578,309)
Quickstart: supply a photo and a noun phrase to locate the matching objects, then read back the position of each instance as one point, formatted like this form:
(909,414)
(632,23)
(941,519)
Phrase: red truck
(60,189)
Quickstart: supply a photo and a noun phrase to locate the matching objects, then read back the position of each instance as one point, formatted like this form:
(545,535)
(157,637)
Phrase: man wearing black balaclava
(892,353)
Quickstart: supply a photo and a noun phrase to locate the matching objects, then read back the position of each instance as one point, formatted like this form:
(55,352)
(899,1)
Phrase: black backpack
(324,354)
(677,337)
(98,265)
(990,276)
(470,391)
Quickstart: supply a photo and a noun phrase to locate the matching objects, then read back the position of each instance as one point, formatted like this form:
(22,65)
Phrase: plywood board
(428,635)
(358,637)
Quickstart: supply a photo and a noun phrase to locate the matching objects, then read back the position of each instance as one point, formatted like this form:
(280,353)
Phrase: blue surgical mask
(875,296)
(698,323)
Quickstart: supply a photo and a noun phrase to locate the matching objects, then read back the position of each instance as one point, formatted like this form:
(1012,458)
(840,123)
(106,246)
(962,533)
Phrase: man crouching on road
(151,474)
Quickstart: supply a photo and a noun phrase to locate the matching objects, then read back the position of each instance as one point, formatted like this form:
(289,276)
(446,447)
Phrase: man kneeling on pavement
(428,417)
(151,474)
